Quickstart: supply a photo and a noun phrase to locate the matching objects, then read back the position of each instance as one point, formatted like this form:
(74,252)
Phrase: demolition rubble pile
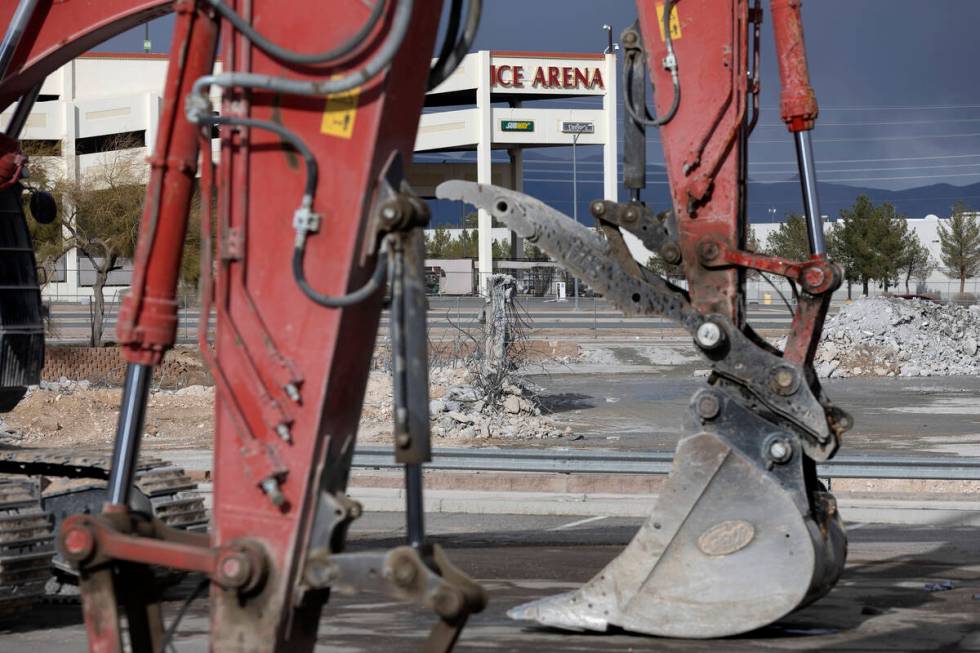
(900,337)
(459,409)
(483,397)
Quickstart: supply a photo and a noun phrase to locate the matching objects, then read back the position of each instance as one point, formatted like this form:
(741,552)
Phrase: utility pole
(146,38)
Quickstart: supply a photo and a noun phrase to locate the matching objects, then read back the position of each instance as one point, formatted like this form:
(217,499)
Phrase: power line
(793,163)
(793,181)
(660,170)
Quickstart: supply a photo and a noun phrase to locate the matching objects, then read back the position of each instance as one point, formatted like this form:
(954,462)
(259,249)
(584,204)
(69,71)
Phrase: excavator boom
(307,216)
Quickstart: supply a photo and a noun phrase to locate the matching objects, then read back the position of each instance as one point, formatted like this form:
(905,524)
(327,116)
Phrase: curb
(875,511)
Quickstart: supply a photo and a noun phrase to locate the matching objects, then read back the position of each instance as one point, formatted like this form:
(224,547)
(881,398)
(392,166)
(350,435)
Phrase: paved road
(939,415)
(879,604)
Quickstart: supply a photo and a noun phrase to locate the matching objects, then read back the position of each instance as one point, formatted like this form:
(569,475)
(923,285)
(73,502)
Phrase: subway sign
(517,125)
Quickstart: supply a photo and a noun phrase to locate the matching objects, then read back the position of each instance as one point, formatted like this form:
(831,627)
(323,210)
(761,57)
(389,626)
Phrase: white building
(82,106)
(98,96)
(483,106)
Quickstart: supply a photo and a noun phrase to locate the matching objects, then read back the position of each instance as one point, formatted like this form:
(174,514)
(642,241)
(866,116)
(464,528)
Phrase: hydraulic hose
(670,62)
(309,188)
(282,54)
(305,220)
(451,56)
(341,301)
(382,58)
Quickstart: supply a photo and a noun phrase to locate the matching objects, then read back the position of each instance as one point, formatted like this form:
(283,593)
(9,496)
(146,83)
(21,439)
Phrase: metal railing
(630,462)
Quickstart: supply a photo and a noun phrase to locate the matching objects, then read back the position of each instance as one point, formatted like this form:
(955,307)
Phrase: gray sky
(896,81)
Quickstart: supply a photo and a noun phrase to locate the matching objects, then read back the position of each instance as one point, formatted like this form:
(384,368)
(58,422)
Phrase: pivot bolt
(708,406)
(783,380)
(447,602)
(78,542)
(405,573)
(390,213)
(234,569)
(630,215)
(629,37)
(319,573)
(709,251)
(709,336)
(779,449)
(814,277)
(671,253)
(598,208)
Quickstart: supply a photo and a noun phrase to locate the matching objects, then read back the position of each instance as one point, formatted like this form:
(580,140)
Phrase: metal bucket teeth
(727,550)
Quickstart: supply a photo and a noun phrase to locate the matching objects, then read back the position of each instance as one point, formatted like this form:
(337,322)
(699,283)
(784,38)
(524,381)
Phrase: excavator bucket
(730,546)
(742,533)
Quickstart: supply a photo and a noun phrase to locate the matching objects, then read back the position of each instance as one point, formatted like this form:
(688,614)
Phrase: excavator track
(30,566)
(26,546)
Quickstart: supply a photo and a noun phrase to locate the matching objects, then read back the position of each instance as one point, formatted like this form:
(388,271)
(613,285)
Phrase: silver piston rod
(129,431)
(808,182)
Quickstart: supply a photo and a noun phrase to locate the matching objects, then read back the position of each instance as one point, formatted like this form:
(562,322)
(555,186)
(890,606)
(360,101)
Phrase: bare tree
(100,213)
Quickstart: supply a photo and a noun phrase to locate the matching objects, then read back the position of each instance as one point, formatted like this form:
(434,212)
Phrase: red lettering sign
(553,77)
(597,80)
(539,79)
(550,77)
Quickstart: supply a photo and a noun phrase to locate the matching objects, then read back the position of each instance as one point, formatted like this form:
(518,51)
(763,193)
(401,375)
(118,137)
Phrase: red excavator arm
(318,116)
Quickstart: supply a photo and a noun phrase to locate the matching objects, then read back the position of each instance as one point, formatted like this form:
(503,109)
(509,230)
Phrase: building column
(610,148)
(151,102)
(483,167)
(69,159)
(516,183)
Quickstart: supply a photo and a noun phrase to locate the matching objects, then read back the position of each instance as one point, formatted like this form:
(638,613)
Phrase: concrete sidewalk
(925,511)
(932,512)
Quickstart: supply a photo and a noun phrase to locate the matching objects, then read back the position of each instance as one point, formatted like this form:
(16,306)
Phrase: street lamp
(146,38)
(609,47)
(576,129)
(575,195)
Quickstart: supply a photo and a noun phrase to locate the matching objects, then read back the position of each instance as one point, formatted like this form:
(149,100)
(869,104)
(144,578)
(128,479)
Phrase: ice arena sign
(546,78)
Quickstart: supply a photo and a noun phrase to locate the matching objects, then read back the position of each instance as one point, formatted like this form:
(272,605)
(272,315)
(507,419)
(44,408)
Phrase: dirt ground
(79,415)
(86,418)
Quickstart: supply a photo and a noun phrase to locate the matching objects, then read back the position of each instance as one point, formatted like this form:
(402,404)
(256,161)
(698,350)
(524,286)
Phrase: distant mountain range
(784,197)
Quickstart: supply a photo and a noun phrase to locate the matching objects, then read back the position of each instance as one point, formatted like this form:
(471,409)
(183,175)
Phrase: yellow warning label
(339,113)
(675,22)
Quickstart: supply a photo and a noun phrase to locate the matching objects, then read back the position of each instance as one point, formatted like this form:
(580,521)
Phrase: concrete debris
(459,411)
(900,337)
(195,391)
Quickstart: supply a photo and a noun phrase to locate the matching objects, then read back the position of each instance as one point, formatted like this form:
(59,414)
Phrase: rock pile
(900,337)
